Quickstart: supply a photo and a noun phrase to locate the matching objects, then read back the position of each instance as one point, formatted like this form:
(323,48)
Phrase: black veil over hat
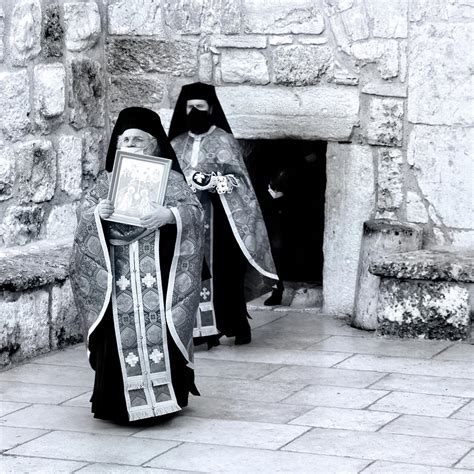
(149,122)
(197,90)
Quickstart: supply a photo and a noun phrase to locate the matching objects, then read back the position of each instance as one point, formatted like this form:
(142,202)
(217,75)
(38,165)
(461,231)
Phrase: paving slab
(12,436)
(10,407)
(261,318)
(323,376)
(116,468)
(404,365)
(67,357)
(381,446)
(419,404)
(274,356)
(213,458)
(26,465)
(466,412)
(267,336)
(381,346)
(244,410)
(456,387)
(467,462)
(384,467)
(94,448)
(342,397)
(80,401)
(230,368)
(433,427)
(50,417)
(344,419)
(461,352)
(224,432)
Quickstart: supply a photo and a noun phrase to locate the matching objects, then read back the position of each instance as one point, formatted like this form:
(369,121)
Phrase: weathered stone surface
(49,89)
(205,67)
(82,22)
(7,173)
(139,55)
(61,222)
(337,6)
(387,89)
(310,40)
(70,165)
(382,52)
(440,95)
(125,18)
(282,16)
(183,16)
(239,41)
(25,31)
(416,210)
(87,94)
(127,91)
(348,206)
(22,337)
(14,104)
(22,224)
(230,17)
(385,124)
(52,35)
(428,9)
(2,32)
(389,19)
(356,22)
(300,65)
(426,265)
(65,326)
(35,265)
(380,236)
(93,151)
(36,168)
(390,179)
(427,309)
(239,66)
(305,113)
(462,240)
(441,160)
(340,35)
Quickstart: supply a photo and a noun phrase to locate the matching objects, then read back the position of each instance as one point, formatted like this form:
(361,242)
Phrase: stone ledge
(426,265)
(34,265)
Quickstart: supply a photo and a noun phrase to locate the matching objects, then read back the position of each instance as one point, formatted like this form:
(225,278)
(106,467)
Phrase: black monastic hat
(197,90)
(149,122)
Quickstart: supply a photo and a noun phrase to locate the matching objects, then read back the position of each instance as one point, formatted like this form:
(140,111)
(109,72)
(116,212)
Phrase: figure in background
(235,232)
(137,288)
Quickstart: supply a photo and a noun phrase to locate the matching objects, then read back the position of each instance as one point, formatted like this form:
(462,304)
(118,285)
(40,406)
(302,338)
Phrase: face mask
(199,121)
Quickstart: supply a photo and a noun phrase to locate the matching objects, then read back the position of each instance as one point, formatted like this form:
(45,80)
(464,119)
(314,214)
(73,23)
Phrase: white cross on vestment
(156,356)
(123,283)
(205,293)
(131,359)
(148,280)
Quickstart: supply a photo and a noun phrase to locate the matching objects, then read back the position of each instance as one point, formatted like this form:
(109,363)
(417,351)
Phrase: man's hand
(159,217)
(105,208)
(274,194)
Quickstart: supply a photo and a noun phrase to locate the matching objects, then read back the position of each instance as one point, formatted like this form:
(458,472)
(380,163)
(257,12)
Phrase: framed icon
(138,183)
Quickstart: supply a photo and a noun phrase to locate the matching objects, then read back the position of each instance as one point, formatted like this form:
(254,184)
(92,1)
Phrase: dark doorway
(295,170)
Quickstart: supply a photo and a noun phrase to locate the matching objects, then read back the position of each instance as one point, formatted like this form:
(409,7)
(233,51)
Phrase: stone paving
(309,395)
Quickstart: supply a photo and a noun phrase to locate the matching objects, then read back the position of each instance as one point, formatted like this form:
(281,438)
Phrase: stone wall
(387,82)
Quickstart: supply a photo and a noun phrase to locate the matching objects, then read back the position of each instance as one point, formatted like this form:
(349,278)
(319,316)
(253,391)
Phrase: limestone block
(82,22)
(184,16)
(149,55)
(24,325)
(385,123)
(128,91)
(312,40)
(340,35)
(348,205)
(386,89)
(239,66)
(239,41)
(230,17)
(423,309)
(61,222)
(2,32)
(36,169)
(382,52)
(337,6)
(439,77)
(70,165)
(300,65)
(14,104)
(441,160)
(52,37)
(205,67)
(25,31)
(282,17)
(22,224)
(128,18)
(93,151)
(356,22)
(280,39)
(65,321)
(390,178)
(7,173)
(389,19)
(87,94)
(305,113)
(462,239)
(381,236)
(49,89)
(416,210)
(428,9)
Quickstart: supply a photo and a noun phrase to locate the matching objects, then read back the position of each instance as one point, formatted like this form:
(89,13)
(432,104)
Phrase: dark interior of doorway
(295,221)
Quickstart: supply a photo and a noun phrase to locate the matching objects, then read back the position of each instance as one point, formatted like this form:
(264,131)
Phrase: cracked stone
(416,210)
(93,150)
(2,32)
(7,173)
